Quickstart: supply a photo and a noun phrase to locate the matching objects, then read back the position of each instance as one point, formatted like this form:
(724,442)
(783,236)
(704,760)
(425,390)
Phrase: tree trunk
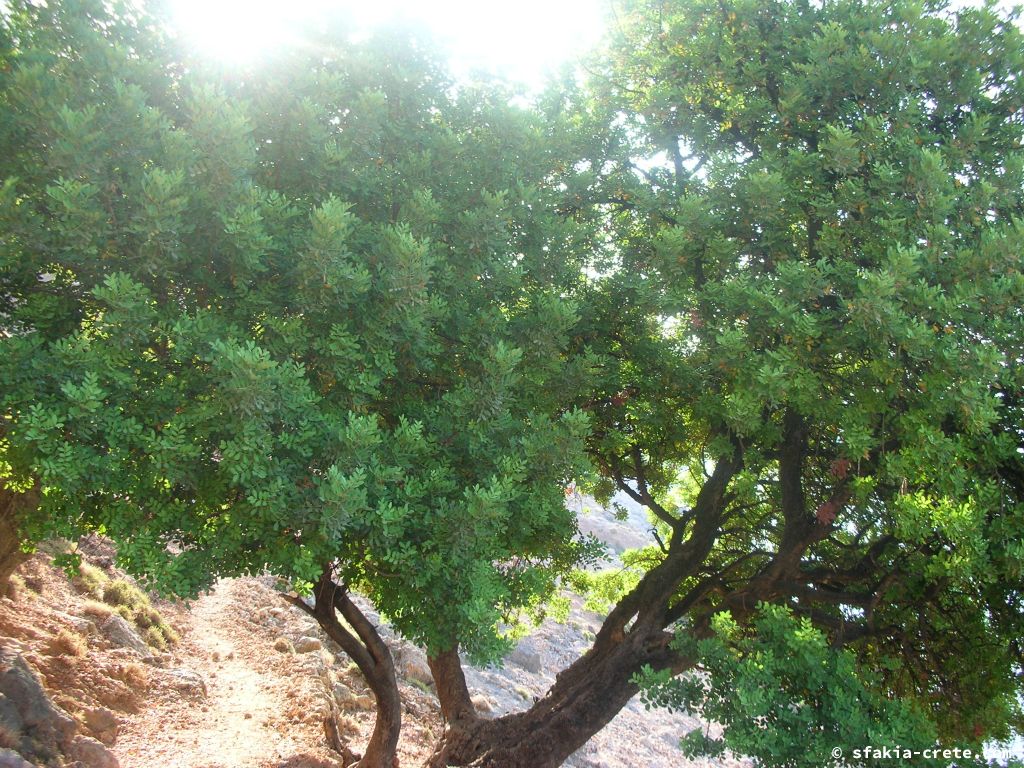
(592,690)
(584,698)
(382,749)
(13,507)
(370,653)
(450,682)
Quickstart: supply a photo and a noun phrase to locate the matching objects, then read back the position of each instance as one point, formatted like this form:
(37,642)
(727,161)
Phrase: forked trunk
(584,698)
(370,653)
(592,690)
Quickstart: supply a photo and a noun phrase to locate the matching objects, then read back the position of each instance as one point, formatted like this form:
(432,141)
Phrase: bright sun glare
(520,41)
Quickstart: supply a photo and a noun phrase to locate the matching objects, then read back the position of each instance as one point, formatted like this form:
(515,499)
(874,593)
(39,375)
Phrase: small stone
(343,695)
(284,645)
(307,645)
(365,703)
(188,682)
(103,723)
(92,753)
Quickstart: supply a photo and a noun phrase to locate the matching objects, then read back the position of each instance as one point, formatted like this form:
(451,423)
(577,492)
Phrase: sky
(520,41)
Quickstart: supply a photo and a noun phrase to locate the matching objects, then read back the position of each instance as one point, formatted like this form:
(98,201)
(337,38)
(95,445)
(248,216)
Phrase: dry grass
(134,605)
(91,580)
(96,609)
(135,676)
(68,643)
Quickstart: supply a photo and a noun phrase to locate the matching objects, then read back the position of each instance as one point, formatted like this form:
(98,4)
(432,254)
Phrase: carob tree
(811,331)
(312,318)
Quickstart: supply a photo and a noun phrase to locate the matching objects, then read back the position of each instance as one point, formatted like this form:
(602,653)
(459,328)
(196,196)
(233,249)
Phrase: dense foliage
(820,270)
(336,313)
(298,316)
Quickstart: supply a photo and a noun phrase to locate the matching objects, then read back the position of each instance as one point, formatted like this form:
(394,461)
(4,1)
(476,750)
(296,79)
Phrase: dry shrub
(34,582)
(135,676)
(133,604)
(68,643)
(90,580)
(155,638)
(96,609)
(123,593)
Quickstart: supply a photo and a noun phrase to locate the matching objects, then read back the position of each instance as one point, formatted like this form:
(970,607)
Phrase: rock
(527,658)
(81,625)
(284,645)
(11,723)
(11,759)
(103,723)
(121,633)
(307,645)
(38,726)
(344,696)
(92,753)
(365,703)
(412,665)
(188,682)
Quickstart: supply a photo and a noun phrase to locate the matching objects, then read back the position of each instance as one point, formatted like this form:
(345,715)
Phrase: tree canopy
(340,318)
(299,319)
(828,261)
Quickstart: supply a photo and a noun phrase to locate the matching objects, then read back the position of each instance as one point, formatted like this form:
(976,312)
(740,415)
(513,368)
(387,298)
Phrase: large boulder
(11,759)
(34,726)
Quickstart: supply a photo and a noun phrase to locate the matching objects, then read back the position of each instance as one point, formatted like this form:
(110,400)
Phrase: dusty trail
(238,723)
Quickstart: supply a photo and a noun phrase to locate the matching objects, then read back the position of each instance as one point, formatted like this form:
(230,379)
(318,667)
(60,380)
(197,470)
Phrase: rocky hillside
(96,674)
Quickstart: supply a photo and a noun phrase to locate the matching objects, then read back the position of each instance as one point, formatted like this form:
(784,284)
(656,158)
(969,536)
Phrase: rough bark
(13,508)
(450,682)
(584,698)
(591,691)
(370,653)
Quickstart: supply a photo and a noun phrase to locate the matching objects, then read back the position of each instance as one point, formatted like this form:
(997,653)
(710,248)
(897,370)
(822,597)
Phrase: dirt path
(242,722)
